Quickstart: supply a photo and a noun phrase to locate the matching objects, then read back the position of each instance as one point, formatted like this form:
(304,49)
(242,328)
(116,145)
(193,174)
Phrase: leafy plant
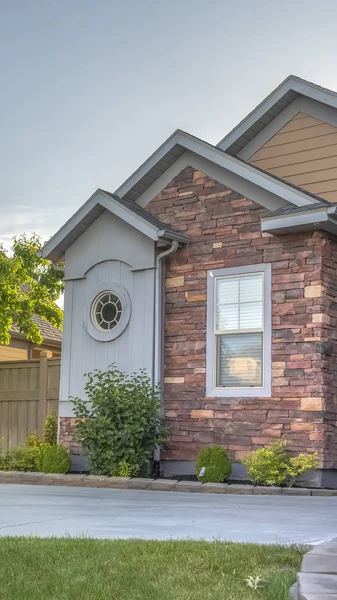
(50,428)
(216,464)
(268,466)
(54,458)
(33,439)
(254,582)
(301,464)
(23,458)
(125,470)
(275,466)
(29,285)
(119,420)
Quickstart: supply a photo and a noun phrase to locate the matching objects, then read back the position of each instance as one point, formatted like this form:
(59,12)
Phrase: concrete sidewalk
(104,513)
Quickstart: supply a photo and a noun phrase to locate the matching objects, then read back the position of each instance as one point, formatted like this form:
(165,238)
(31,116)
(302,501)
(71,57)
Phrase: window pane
(239,361)
(251,288)
(227,317)
(251,315)
(227,290)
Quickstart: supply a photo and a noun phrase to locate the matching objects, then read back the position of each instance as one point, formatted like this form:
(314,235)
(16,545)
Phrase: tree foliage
(29,285)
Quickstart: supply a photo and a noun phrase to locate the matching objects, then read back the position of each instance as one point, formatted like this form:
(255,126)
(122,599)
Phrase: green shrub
(33,439)
(50,428)
(54,458)
(125,470)
(216,462)
(20,459)
(275,466)
(302,463)
(119,420)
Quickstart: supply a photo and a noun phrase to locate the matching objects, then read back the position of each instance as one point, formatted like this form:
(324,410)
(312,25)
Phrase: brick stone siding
(224,231)
(67,427)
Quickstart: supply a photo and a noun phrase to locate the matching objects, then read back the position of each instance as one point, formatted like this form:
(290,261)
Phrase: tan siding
(10,353)
(303,152)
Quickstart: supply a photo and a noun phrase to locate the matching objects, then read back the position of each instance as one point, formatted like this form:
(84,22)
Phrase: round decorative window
(106,311)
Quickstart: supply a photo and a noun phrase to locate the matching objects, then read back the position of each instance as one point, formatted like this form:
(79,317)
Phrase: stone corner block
(239,488)
(266,490)
(163,484)
(319,563)
(310,584)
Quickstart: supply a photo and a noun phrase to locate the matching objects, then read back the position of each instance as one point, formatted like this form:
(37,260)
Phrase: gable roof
(271,107)
(100,201)
(171,152)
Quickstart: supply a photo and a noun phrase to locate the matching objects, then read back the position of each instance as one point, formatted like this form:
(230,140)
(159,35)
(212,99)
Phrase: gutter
(158,331)
(322,218)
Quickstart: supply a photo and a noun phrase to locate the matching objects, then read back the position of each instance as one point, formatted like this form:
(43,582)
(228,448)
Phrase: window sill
(250,392)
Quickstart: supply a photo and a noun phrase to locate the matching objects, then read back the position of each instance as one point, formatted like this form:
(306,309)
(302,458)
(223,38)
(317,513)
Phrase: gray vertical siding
(109,251)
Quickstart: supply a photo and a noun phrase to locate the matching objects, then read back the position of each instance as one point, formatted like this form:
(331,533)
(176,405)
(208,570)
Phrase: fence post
(43,388)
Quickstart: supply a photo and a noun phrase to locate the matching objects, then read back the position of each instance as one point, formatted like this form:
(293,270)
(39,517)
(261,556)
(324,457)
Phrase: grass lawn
(83,569)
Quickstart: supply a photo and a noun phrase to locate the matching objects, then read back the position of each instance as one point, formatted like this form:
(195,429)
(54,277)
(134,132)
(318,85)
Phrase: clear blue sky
(91,87)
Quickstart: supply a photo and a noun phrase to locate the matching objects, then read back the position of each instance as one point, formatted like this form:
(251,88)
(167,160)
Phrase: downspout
(158,334)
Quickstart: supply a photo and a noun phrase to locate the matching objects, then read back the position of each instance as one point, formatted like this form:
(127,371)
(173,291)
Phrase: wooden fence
(29,389)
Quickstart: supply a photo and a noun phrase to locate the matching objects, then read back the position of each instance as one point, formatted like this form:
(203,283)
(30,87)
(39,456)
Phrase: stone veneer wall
(224,231)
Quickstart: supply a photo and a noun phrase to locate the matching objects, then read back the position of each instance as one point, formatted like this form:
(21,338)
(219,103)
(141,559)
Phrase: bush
(275,466)
(216,463)
(54,458)
(20,459)
(119,421)
(33,440)
(50,428)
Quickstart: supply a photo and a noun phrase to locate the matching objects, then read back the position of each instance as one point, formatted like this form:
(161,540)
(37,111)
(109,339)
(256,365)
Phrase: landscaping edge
(317,579)
(167,485)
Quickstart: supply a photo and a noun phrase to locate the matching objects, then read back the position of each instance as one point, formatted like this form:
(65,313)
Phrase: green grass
(83,569)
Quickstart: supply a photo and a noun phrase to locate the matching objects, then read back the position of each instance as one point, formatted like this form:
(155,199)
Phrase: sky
(90,88)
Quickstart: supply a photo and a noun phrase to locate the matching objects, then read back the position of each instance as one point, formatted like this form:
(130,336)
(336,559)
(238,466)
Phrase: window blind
(239,330)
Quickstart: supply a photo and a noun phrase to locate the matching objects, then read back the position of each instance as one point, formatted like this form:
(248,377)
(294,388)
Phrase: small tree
(118,423)
(28,286)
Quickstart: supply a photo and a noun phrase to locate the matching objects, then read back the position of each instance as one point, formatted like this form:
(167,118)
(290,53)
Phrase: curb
(167,485)
(317,579)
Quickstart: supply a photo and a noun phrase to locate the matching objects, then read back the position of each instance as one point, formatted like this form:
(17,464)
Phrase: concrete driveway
(102,513)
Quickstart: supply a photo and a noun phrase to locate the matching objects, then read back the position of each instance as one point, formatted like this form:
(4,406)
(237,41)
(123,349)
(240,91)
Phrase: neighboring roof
(48,331)
(100,201)
(177,144)
(271,107)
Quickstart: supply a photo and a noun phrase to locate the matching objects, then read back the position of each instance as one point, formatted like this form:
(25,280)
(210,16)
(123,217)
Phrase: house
(233,249)
(22,349)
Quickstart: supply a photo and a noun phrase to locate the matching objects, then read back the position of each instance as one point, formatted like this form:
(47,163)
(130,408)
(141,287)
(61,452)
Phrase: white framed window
(238,356)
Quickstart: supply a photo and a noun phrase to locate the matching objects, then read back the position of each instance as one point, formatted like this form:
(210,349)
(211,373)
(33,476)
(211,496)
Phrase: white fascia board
(305,88)
(147,165)
(113,206)
(66,229)
(255,114)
